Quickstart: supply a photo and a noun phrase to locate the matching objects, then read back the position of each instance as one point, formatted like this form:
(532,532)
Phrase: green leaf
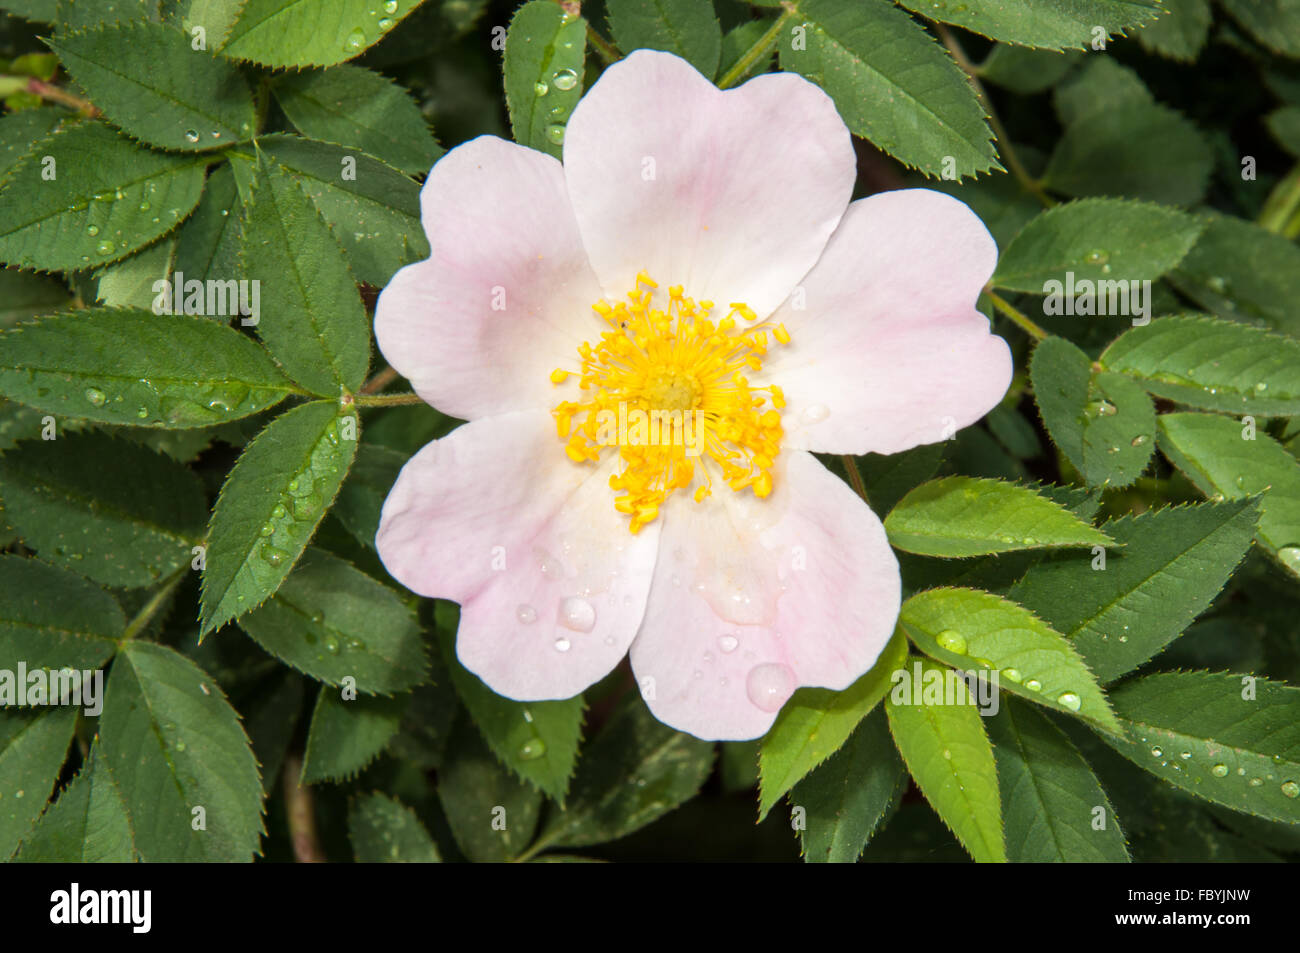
(174,744)
(1230,739)
(1180,34)
(334,622)
(1097,240)
(1025,71)
(893,85)
(372,209)
(1054,808)
(110,509)
(1274,23)
(815,722)
(32,749)
(492,814)
(1284,124)
(1100,85)
(285,480)
(1217,455)
(207,244)
(738,41)
(1056,24)
(129,283)
(633,772)
(215,17)
(1108,153)
(314,323)
(86,825)
(538,741)
(296,33)
(888,477)
(348,734)
(982,632)
(108,198)
(1211,364)
(20,131)
(949,755)
(545,51)
(1121,612)
(80,15)
(1103,423)
(52,619)
(688,28)
(963,516)
(362,498)
(137,368)
(382,830)
(357,107)
(847,797)
(24,295)
(152,84)
(1243,272)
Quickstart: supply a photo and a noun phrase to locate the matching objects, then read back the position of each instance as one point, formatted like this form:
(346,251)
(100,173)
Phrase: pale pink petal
(753,598)
(887,349)
(551,583)
(506,293)
(730,194)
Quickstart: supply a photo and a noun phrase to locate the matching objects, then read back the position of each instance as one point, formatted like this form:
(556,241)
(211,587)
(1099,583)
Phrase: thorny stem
(760,49)
(387,400)
(150,608)
(855,477)
(1005,148)
(379,381)
(301,813)
(62,97)
(1017,317)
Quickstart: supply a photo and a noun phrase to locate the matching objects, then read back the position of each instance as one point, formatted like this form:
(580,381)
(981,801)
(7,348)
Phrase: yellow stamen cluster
(671,362)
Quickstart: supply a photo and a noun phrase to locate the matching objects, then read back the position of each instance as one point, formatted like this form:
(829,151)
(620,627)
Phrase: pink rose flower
(697,252)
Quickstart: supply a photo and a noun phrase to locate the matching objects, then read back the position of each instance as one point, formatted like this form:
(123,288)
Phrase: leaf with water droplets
(1211,364)
(492,814)
(296,33)
(270,505)
(138,369)
(174,743)
(1104,423)
(150,81)
(52,618)
(633,772)
(348,734)
(893,85)
(545,50)
(334,622)
(1102,241)
(110,509)
(1050,797)
(1226,458)
(1231,739)
(313,321)
(86,825)
(815,722)
(994,637)
(1122,611)
(538,741)
(32,749)
(383,830)
(849,795)
(357,107)
(950,757)
(1055,24)
(960,516)
(107,198)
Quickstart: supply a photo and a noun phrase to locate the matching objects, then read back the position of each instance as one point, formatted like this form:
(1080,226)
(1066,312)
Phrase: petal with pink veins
(551,583)
(506,293)
(887,349)
(752,599)
(731,194)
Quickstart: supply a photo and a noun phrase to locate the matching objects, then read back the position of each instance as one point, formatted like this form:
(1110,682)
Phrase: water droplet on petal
(526,614)
(577,614)
(815,414)
(563,645)
(769,685)
(728,643)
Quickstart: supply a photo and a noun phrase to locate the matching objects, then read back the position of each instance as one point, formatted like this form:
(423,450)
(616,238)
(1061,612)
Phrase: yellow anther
(559,376)
(781,334)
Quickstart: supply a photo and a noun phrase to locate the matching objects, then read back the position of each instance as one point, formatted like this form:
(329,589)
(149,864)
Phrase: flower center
(667,385)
